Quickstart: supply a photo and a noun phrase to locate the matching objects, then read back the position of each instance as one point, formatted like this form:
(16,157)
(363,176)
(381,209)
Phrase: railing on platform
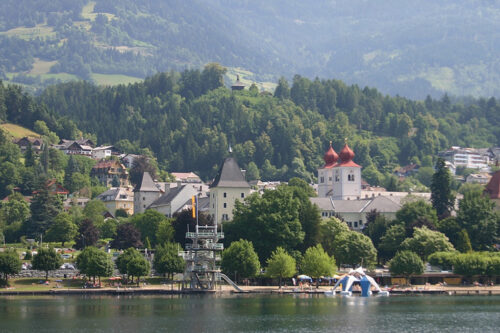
(204,234)
(208,246)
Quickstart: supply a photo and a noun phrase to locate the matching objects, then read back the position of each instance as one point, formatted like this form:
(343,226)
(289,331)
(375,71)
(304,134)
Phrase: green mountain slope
(410,48)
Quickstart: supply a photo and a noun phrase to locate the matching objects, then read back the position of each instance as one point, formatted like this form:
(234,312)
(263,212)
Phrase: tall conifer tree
(442,198)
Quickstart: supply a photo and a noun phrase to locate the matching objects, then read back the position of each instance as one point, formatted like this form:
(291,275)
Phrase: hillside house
(118,198)
(107,171)
(23,143)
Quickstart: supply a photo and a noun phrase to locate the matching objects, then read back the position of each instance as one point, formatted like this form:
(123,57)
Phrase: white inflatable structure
(358,275)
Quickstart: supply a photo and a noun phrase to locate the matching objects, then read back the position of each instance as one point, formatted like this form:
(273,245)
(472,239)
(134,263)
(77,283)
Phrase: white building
(340,177)
(102,152)
(340,193)
(229,185)
(178,199)
(470,158)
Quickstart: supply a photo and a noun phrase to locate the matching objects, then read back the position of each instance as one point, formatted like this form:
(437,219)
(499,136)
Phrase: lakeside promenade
(225,289)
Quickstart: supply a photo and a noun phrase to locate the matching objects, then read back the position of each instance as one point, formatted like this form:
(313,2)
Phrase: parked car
(66,256)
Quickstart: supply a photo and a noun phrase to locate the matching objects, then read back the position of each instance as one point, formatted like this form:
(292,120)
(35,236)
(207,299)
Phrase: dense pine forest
(189,119)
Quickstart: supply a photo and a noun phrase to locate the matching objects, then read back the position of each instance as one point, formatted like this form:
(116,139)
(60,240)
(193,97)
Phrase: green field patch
(247,78)
(60,76)
(88,12)
(114,79)
(41,31)
(41,67)
(441,78)
(18,131)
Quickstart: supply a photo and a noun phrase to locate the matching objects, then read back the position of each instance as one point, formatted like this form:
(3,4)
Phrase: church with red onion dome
(340,177)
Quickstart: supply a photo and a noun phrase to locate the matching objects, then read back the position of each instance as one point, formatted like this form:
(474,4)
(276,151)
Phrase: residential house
(36,144)
(478,178)
(75,147)
(128,159)
(118,198)
(186,177)
(75,202)
(178,199)
(407,170)
(107,171)
(100,153)
(470,158)
(54,187)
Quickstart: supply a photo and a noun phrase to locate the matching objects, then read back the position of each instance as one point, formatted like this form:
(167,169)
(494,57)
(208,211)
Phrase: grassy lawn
(18,131)
(114,79)
(41,30)
(33,284)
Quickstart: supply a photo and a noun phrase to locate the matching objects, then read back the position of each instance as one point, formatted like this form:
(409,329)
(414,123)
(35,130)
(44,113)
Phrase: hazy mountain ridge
(412,49)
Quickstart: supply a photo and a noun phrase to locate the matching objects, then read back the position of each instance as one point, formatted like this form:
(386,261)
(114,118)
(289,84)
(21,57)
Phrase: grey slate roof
(167,198)
(146,184)
(380,203)
(230,175)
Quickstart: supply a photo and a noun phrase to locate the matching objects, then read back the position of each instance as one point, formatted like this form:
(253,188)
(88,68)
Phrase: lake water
(250,313)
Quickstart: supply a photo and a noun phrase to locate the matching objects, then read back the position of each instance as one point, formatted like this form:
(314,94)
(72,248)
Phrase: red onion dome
(346,154)
(330,157)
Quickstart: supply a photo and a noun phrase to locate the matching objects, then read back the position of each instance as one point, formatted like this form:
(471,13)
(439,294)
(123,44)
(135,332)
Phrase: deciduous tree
(281,265)
(240,259)
(9,264)
(425,242)
(94,262)
(406,263)
(316,263)
(167,259)
(46,260)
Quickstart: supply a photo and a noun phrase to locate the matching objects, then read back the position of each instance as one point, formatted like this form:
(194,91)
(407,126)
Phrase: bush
(445,260)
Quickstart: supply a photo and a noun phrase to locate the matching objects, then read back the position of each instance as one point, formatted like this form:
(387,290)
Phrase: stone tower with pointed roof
(229,185)
(145,193)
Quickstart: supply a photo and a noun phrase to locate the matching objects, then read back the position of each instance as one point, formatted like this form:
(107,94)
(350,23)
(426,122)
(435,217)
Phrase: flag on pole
(193,205)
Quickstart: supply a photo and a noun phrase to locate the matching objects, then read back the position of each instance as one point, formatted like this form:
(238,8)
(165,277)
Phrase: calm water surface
(250,313)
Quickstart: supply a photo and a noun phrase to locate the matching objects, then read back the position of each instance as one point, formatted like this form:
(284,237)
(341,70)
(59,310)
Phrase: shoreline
(150,290)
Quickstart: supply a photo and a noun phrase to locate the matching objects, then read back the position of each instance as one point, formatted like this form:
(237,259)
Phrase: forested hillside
(408,48)
(189,120)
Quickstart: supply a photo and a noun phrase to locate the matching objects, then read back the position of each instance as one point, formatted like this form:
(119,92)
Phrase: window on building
(349,224)
(225,194)
(242,195)
(322,179)
(355,224)
(143,198)
(225,205)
